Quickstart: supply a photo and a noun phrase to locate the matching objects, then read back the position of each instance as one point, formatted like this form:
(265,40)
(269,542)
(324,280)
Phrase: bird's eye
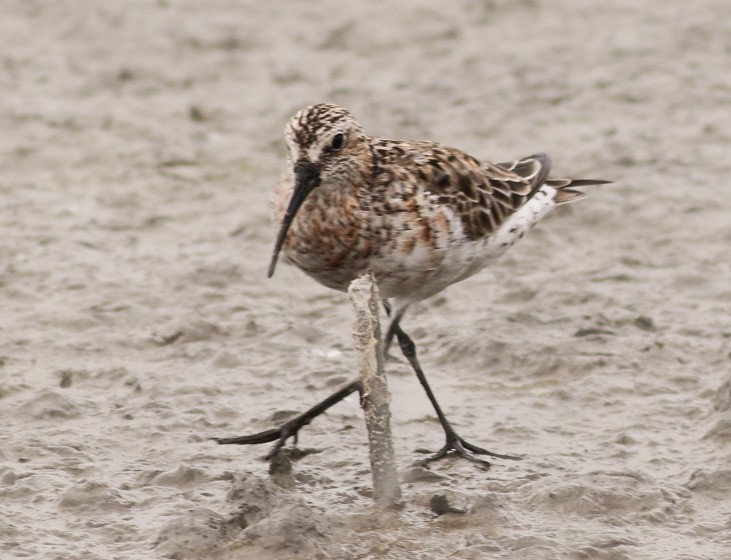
(338,141)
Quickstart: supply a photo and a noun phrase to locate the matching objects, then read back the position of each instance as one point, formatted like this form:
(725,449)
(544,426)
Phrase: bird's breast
(326,238)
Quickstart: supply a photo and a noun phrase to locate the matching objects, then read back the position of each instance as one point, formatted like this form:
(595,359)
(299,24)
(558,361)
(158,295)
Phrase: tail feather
(535,169)
(561,183)
(564,194)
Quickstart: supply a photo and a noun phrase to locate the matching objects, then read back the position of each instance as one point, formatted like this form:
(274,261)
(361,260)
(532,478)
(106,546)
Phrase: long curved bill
(306,178)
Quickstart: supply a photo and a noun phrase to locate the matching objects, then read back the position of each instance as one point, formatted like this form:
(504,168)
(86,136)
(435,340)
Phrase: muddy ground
(139,142)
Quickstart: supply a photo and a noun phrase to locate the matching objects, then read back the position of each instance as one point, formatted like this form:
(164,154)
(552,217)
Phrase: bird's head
(326,149)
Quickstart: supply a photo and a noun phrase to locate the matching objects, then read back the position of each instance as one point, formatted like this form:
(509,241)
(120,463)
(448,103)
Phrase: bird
(418,214)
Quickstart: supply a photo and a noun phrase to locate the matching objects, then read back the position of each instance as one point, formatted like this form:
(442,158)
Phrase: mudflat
(139,143)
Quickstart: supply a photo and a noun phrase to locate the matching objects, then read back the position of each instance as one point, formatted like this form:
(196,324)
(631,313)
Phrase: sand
(139,142)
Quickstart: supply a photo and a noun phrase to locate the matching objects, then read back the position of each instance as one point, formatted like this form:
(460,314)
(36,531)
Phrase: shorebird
(420,215)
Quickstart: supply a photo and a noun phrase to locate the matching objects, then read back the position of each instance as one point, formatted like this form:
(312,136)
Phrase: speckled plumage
(421,215)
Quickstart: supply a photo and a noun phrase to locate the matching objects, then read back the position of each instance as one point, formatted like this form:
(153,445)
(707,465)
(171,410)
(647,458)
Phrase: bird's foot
(280,435)
(455,445)
(291,427)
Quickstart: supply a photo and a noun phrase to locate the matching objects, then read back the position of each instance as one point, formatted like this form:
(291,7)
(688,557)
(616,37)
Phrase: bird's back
(444,215)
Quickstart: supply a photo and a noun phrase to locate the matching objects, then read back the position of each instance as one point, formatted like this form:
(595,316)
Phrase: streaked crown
(317,132)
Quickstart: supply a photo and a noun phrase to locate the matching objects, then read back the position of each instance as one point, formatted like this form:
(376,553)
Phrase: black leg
(454,444)
(292,426)
(391,331)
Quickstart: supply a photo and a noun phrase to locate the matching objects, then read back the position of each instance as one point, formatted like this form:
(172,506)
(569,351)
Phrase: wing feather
(482,194)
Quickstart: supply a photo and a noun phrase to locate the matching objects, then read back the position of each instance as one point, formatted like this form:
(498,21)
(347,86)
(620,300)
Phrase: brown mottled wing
(484,195)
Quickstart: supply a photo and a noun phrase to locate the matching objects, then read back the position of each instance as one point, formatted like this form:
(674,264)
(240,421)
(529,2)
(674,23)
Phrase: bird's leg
(391,331)
(292,426)
(454,444)
(395,318)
